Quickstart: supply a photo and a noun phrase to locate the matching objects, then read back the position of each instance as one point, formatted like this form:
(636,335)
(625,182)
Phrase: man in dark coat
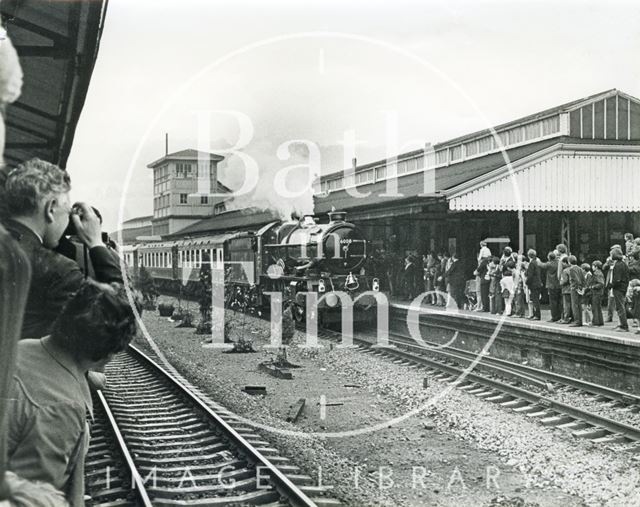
(617,280)
(409,277)
(456,281)
(577,283)
(534,282)
(596,288)
(482,272)
(37,198)
(553,286)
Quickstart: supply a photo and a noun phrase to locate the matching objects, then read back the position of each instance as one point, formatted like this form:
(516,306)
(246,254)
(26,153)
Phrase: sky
(279,81)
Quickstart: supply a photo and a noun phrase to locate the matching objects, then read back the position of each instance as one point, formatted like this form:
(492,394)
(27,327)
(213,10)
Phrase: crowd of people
(579,294)
(441,275)
(61,321)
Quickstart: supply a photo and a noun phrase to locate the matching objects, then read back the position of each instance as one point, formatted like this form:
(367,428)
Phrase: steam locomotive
(295,258)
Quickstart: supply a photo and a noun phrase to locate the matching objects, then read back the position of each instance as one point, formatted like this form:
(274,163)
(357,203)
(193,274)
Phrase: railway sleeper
(256,443)
(154,437)
(151,383)
(100,472)
(526,409)
(112,481)
(208,468)
(166,430)
(477,390)
(326,502)
(612,438)
(98,435)
(252,498)
(237,474)
(180,451)
(112,496)
(100,445)
(190,486)
(315,490)
(116,503)
(166,424)
(98,462)
(591,433)
(541,413)
(166,411)
(575,425)
(267,450)
(216,456)
(556,420)
(515,403)
(485,394)
(182,443)
(165,401)
(151,418)
(499,398)
(149,396)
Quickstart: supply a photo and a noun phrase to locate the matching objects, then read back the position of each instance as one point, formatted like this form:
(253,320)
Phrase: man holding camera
(37,199)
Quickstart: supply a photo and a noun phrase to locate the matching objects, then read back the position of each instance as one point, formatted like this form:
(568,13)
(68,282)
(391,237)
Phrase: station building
(569,175)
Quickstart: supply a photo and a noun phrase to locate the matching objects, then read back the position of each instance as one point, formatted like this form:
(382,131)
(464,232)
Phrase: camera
(71,227)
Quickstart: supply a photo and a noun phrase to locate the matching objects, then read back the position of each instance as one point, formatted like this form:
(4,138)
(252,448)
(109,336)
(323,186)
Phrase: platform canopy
(57,42)
(563,177)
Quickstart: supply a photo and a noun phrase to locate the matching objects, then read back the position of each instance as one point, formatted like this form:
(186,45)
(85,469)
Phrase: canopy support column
(520,232)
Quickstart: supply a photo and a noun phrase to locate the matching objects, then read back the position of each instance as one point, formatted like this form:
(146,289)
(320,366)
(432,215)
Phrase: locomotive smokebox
(337,216)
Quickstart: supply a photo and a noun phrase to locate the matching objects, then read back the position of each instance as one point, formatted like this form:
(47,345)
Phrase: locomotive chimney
(337,216)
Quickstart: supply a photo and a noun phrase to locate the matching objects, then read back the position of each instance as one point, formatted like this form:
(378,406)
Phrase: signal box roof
(188,154)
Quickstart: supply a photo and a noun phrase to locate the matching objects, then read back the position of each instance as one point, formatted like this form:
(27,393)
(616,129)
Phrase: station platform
(597,354)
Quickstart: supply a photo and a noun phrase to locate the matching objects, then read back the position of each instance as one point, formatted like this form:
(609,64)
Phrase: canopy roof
(57,42)
(563,177)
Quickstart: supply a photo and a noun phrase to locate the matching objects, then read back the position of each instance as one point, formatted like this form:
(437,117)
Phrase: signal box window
(204,199)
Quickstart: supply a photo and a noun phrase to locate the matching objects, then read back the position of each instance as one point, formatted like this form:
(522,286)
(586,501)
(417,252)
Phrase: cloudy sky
(392,74)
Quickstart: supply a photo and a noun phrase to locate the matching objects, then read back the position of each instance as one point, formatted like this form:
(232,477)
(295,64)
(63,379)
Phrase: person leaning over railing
(37,199)
(48,430)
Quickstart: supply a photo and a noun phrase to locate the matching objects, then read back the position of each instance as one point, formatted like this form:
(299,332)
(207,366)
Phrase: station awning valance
(563,177)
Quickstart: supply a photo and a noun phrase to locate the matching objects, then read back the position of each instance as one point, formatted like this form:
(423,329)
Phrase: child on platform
(587,315)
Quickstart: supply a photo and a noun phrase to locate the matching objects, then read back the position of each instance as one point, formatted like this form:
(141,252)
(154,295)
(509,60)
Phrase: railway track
(502,382)
(158,441)
(522,372)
